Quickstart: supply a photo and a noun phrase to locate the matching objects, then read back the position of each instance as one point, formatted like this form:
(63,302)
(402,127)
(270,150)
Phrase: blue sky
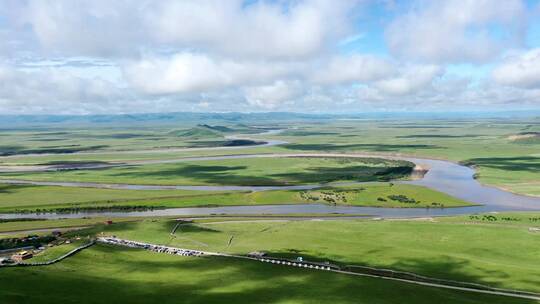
(91,57)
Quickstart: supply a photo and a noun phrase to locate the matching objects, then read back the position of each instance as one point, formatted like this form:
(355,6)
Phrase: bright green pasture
(105,274)
(500,254)
(251,171)
(23,196)
(31,198)
(58,224)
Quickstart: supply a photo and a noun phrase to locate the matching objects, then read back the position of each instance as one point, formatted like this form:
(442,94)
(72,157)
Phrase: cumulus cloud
(352,68)
(451,94)
(194,72)
(55,91)
(271,29)
(237,28)
(273,95)
(457,30)
(522,70)
(189,72)
(101,56)
(410,80)
(74,28)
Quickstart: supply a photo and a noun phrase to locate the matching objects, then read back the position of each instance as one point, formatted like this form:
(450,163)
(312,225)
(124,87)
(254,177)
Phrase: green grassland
(56,141)
(23,196)
(499,253)
(250,171)
(486,143)
(126,156)
(24,225)
(16,228)
(40,198)
(499,250)
(104,274)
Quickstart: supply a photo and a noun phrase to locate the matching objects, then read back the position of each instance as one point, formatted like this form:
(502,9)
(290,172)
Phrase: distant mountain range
(189,118)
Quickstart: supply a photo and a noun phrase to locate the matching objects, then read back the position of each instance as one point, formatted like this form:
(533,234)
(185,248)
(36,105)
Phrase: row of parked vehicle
(190,252)
(151,247)
(296,264)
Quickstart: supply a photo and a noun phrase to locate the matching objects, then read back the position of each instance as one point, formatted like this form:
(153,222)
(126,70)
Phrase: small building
(57,233)
(256,254)
(21,256)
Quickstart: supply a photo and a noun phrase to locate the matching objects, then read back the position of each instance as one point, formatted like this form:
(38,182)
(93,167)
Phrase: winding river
(444,176)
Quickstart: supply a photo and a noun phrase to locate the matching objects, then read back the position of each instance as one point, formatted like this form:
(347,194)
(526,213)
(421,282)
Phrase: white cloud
(456,30)
(273,95)
(353,68)
(411,80)
(100,56)
(271,29)
(188,72)
(55,91)
(74,27)
(522,70)
(118,28)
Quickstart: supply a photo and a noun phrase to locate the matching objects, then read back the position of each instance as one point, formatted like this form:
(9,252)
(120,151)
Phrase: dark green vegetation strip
(14,150)
(37,241)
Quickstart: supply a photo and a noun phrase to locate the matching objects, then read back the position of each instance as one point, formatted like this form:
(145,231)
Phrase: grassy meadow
(248,172)
(26,198)
(498,253)
(488,144)
(500,250)
(108,139)
(111,274)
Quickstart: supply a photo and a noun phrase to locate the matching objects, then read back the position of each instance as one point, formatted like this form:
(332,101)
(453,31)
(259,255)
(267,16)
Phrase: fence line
(58,259)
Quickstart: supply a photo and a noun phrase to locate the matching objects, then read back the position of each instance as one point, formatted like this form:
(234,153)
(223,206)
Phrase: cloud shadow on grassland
(523,163)
(233,175)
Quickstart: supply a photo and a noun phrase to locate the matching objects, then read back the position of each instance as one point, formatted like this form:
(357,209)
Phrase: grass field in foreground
(31,198)
(499,253)
(103,274)
(250,171)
